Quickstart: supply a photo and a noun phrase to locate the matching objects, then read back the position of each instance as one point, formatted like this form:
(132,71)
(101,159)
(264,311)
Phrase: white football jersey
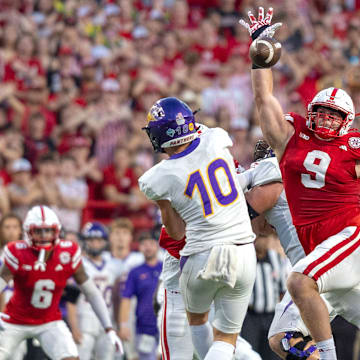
(104,277)
(201,185)
(264,172)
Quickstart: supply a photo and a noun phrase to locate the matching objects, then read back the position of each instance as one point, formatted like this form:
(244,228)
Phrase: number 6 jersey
(37,293)
(201,185)
(320,179)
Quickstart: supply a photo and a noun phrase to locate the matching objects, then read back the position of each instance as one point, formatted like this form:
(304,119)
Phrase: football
(265,52)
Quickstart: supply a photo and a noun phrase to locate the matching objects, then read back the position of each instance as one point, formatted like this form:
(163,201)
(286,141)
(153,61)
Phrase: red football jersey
(37,293)
(320,179)
(172,246)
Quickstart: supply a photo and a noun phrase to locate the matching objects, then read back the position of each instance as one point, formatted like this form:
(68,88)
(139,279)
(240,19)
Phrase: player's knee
(197,319)
(299,285)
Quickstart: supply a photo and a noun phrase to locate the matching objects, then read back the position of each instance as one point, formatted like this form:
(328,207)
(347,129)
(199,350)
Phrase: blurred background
(77,78)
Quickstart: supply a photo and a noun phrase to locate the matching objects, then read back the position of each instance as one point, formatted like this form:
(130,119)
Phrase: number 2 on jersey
(196,180)
(317,162)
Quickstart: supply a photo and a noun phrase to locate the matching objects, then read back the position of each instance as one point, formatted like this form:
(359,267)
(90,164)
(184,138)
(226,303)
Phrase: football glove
(262,26)
(115,340)
(3,316)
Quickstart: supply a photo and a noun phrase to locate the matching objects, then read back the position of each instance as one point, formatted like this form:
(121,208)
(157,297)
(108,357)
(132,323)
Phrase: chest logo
(354,142)
(65,257)
(343,147)
(303,136)
(27,267)
(58,267)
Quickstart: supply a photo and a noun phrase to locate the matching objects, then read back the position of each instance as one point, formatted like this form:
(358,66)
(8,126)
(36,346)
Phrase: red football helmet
(41,228)
(328,125)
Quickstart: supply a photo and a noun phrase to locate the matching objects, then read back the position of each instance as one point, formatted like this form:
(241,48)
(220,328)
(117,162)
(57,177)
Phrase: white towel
(221,266)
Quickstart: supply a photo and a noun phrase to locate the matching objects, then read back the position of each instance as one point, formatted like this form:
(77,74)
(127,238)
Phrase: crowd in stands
(78,76)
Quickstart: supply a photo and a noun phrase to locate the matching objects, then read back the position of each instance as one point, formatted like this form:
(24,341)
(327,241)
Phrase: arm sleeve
(97,302)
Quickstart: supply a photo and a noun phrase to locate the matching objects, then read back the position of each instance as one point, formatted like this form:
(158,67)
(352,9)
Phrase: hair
(122,223)
(2,221)
(48,157)
(146,235)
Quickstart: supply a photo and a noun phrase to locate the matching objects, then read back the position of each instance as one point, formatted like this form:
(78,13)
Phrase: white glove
(269,30)
(115,340)
(3,316)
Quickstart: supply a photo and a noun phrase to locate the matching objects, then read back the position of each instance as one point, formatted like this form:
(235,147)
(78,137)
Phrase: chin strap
(297,351)
(40,262)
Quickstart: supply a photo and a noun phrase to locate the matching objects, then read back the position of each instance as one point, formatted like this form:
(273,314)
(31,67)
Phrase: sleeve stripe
(75,264)
(10,255)
(77,256)
(11,263)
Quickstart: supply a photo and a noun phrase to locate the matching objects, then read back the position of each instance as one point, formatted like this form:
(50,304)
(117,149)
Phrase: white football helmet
(332,98)
(39,221)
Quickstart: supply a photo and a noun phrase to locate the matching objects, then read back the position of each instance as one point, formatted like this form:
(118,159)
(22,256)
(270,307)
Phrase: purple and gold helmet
(170,123)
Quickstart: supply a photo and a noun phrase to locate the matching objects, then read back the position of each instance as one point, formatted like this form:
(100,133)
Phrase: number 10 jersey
(201,185)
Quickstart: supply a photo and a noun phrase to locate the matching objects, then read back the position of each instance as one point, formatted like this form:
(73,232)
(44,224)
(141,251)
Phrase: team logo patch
(354,142)
(65,257)
(156,113)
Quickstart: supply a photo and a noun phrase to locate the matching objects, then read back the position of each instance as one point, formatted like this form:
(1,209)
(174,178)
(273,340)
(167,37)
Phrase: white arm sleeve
(97,302)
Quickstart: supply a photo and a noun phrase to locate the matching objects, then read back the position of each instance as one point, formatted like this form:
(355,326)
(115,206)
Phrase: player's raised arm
(276,129)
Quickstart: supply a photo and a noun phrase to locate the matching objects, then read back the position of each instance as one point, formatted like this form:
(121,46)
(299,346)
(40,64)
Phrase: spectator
(47,166)
(73,194)
(23,190)
(141,283)
(37,142)
(120,183)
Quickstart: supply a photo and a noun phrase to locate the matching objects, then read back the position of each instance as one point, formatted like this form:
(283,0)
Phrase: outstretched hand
(260,27)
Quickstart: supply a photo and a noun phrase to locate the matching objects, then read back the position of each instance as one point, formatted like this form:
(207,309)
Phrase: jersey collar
(187,151)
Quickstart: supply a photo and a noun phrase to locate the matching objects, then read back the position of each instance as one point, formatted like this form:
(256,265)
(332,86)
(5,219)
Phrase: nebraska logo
(354,142)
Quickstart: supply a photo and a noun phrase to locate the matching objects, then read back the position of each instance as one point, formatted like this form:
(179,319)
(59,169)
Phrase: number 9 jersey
(201,185)
(37,293)
(320,179)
